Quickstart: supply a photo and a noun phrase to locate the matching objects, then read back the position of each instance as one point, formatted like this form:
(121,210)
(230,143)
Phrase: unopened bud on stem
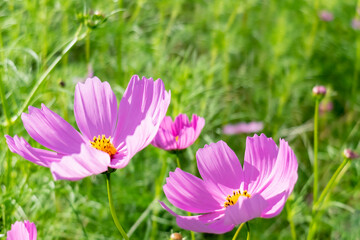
(350,154)
(176,236)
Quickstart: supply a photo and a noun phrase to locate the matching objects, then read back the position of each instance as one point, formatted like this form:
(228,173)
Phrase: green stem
(248,231)
(237,231)
(325,193)
(112,209)
(178,156)
(87,46)
(291,222)
(316,169)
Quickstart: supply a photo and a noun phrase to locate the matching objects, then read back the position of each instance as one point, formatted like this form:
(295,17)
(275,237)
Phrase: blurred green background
(227,61)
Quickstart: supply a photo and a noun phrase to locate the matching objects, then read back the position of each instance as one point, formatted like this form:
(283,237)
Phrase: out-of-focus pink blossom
(325,107)
(350,154)
(319,90)
(22,231)
(111,134)
(355,24)
(326,16)
(229,194)
(179,134)
(243,127)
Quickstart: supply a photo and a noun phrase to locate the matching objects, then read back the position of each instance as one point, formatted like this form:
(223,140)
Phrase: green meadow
(227,61)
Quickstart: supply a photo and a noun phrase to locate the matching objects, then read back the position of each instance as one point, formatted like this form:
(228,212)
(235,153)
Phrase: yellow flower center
(232,199)
(103,144)
(177,138)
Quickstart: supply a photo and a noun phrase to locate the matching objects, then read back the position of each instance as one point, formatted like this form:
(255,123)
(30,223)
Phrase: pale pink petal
(260,158)
(243,127)
(207,223)
(141,112)
(220,168)
(189,193)
(22,231)
(38,156)
(51,131)
(95,108)
(245,209)
(165,140)
(281,180)
(89,161)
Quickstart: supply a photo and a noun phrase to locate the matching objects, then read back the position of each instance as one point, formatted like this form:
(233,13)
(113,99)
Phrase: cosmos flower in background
(326,16)
(110,134)
(179,134)
(228,195)
(355,24)
(243,127)
(22,231)
(325,107)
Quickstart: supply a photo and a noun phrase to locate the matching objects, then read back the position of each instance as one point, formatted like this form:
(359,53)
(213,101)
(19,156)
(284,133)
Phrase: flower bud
(350,154)
(319,90)
(176,236)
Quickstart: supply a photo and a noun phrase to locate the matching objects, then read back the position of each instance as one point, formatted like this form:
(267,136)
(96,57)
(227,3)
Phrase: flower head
(326,16)
(243,127)
(179,134)
(350,154)
(229,194)
(319,90)
(111,134)
(22,231)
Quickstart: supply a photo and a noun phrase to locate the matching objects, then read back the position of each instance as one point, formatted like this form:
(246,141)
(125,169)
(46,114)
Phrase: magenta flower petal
(260,158)
(51,130)
(208,223)
(179,134)
(35,155)
(219,167)
(95,108)
(79,165)
(22,231)
(189,193)
(141,112)
(282,179)
(245,209)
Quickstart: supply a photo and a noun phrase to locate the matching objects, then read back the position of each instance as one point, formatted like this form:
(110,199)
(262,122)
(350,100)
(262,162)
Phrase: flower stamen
(177,138)
(103,144)
(232,199)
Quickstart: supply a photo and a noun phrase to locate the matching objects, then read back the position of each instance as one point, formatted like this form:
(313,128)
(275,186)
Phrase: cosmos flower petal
(219,166)
(207,223)
(74,167)
(260,157)
(22,231)
(179,134)
(51,130)
(141,112)
(38,156)
(95,108)
(282,178)
(245,209)
(243,127)
(189,193)
(275,205)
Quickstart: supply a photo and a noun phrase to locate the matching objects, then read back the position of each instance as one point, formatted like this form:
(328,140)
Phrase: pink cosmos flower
(22,231)
(110,134)
(228,194)
(179,134)
(326,16)
(243,127)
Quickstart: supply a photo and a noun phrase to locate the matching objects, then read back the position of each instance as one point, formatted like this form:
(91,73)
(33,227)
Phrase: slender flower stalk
(112,209)
(316,167)
(238,231)
(248,231)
